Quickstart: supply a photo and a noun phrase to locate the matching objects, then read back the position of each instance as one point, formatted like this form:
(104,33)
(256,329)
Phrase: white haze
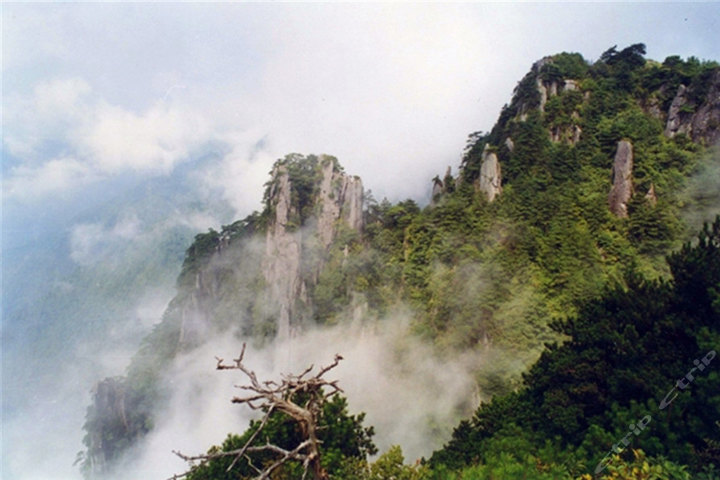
(42,437)
(392,90)
(412,396)
(702,193)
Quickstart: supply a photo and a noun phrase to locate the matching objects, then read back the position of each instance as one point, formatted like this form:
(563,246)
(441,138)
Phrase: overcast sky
(92,91)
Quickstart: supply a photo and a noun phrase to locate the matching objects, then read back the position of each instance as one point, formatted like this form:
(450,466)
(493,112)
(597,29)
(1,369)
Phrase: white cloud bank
(92,138)
(392,90)
(411,396)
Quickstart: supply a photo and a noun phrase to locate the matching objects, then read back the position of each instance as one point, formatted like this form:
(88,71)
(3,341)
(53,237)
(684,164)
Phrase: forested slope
(546,249)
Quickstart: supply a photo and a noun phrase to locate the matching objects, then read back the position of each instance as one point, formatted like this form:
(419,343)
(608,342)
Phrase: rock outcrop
(698,120)
(651,196)
(622,187)
(442,186)
(283,250)
(337,202)
(437,190)
(490,179)
(114,417)
(568,134)
(509,144)
(678,121)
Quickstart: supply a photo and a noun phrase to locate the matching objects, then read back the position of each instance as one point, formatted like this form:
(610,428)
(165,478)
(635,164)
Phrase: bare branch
(270,396)
(252,438)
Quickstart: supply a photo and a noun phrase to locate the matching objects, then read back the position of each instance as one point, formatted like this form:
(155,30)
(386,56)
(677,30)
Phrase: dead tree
(301,397)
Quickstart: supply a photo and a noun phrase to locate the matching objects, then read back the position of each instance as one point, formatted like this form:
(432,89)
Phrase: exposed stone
(339,200)
(510,144)
(544,94)
(571,85)
(577,131)
(109,411)
(706,120)
(490,179)
(341,196)
(441,187)
(555,134)
(569,134)
(650,196)
(700,122)
(675,123)
(352,202)
(437,190)
(281,265)
(652,106)
(622,187)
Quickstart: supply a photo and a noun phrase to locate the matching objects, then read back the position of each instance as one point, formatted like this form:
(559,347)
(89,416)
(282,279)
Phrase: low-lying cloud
(411,395)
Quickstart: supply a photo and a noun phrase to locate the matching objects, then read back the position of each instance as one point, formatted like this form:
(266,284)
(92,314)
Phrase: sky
(96,90)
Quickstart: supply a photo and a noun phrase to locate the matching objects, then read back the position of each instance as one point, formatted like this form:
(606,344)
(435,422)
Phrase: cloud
(391,90)
(30,122)
(93,138)
(115,139)
(412,396)
(56,175)
(91,243)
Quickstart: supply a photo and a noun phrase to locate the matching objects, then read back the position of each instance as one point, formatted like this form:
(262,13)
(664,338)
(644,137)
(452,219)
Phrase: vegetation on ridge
(545,275)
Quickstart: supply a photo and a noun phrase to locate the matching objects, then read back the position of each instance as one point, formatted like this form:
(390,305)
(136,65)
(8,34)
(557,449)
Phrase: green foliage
(570,65)
(391,465)
(344,442)
(623,355)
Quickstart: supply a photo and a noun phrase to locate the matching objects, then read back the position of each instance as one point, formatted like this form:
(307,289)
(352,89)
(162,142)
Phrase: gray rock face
(338,201)
(571,85)
(549,89)
(677,121)
(283,248)
(490,179)
(110,411)
(622,187)
(543,93)
(340,198)
(650,196)
(441,187)
(510,144)
(437,190)
(700,122)
(569,134)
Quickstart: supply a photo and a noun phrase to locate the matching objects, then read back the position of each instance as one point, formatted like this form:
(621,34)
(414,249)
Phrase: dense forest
(566,250)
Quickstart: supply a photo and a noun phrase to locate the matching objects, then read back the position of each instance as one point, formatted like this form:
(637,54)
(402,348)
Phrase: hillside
(546,250)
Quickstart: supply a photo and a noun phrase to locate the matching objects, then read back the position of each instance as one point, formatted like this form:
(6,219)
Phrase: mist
(411,395)
(701,194)
(44,408)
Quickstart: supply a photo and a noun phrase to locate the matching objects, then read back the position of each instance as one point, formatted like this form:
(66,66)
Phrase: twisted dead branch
(301,397)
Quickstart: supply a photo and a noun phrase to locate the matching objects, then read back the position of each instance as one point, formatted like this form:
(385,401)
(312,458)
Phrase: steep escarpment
(255,277)
(305,220)
(622,188)
(695,110)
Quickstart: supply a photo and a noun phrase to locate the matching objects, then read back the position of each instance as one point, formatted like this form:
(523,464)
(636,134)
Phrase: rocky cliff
(490,180)
(256,274)
(622,186)
(253,277)
(296,243)
(695,111)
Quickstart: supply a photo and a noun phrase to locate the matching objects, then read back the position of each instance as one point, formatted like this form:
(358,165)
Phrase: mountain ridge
(528,231)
